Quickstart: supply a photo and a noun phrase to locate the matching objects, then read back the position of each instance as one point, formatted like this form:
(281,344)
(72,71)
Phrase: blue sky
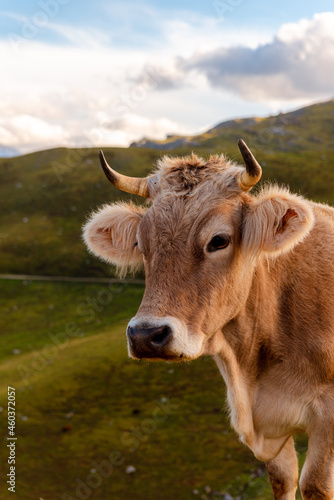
(107,73)
(135,24)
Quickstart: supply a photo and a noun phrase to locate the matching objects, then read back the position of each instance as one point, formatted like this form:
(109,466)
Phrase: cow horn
(253,171)
(133,185)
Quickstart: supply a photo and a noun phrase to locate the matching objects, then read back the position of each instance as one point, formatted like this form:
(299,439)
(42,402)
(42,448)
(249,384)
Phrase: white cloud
(196,72)
(65,95)
(296,64)
(133,127)
(26,133)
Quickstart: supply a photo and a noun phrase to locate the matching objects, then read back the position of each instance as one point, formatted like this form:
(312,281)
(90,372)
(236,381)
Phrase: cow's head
(199,241)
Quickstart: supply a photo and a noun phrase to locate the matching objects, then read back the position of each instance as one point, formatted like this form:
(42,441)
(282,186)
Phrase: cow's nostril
(131,331)
(161,336)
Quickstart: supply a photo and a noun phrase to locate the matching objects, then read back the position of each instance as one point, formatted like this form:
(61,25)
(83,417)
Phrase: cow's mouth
(158,355)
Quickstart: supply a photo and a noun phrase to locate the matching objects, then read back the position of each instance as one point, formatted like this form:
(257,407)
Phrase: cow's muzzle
(149,342)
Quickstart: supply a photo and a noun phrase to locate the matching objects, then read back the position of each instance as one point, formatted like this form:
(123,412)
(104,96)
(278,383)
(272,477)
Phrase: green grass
(35,314)
(108,402)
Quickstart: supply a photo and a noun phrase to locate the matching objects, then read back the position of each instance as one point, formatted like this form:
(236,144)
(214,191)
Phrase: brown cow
(246,279)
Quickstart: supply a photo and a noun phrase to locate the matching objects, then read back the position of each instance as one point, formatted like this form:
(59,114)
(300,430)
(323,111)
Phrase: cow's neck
(244,345)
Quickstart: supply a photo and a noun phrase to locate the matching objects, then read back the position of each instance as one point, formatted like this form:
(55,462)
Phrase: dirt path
(71,279)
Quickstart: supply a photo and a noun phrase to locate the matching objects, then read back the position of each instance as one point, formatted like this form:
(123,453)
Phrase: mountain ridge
(275,124)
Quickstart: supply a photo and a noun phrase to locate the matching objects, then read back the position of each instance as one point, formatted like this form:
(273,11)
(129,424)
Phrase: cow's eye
(218,242)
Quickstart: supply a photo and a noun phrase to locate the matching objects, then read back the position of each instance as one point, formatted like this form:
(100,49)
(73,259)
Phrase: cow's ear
(275,222)
(111,233)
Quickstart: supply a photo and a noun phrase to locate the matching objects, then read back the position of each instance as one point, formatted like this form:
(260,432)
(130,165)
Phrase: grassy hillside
(81,402)
(45,196)
(45,199)
(306,129)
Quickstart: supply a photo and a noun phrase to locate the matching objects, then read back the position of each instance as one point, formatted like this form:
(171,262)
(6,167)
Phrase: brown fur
(283,472)
(263,306)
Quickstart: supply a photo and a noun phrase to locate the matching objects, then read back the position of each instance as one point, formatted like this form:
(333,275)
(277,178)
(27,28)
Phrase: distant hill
(46,196)
(297,130)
